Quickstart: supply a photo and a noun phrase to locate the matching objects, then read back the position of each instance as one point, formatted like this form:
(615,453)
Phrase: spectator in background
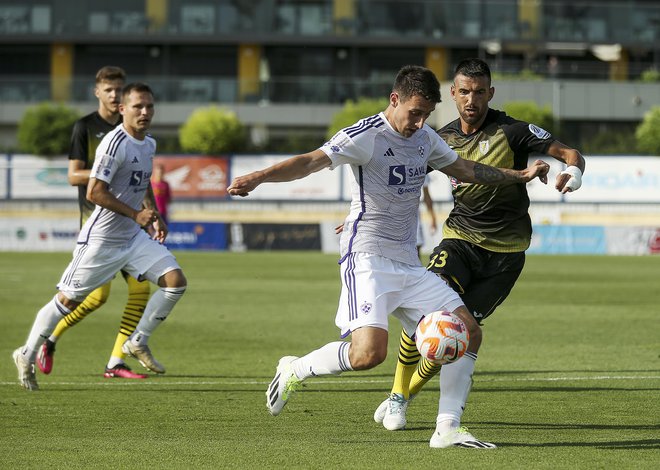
(162,192)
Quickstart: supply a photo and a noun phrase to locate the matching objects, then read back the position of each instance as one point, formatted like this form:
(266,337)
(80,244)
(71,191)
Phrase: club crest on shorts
(366,307)
(484,146)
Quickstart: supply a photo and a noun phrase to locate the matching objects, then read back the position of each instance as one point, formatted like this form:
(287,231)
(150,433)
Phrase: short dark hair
(417,80)
(135,86)
(109,73)
(473,68)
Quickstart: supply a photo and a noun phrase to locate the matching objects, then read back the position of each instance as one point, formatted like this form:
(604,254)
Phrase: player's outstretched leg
(138,296)
(46,355)
(331,359)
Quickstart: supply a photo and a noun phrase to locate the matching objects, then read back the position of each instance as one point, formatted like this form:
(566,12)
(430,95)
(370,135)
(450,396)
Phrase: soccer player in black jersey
(87,133)
(485,236)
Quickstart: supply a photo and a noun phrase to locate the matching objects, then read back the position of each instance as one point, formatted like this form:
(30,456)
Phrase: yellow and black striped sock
(92,302)
(425,371)
(406,365)
(138,296)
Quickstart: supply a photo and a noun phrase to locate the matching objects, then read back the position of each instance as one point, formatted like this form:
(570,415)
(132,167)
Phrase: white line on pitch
(354,381)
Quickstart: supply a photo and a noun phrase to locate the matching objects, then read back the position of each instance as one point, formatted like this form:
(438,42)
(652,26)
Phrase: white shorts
(94,265)
(374,287)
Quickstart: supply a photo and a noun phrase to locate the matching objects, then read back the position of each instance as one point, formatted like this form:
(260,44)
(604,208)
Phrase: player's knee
(173,279)
(362,359)
(473,328)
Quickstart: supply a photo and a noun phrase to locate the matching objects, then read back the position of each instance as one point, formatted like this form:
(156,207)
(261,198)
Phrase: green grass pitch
(568,375)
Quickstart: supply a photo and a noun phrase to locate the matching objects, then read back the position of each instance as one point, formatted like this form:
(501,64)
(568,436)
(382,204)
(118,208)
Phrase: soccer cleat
(46,357)
(395,412)
(143,355)
(459,437)
(283,385)
(26,374)
(122,371)
(380,412)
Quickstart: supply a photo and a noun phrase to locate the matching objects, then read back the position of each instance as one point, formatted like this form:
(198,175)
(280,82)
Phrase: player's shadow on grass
(612,445)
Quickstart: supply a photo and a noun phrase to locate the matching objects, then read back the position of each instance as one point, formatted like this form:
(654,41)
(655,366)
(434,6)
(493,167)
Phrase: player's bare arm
(291,169)
(571,178)
(469,171)
(77,174)
(158,229)
(98,193)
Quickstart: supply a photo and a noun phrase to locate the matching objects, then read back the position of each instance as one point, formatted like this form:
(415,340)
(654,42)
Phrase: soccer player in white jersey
(112,239)
(380,271)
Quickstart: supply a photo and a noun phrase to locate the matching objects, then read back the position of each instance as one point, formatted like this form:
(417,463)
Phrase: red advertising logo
(195,176)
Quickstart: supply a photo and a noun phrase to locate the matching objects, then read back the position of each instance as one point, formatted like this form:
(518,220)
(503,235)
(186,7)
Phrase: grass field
(568,374)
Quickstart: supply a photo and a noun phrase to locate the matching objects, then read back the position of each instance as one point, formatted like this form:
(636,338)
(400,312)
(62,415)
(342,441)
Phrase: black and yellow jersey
(495,218)
(86,136)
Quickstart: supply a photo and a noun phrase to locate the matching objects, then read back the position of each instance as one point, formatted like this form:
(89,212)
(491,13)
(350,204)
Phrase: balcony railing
(630,22)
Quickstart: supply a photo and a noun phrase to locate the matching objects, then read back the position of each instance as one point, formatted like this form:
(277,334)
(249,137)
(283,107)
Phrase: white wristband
(575,180)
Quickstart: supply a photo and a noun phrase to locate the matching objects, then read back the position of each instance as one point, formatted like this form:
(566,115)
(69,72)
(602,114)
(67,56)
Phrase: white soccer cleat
(395,417)
(459,437)
(379,414)
(282,386)
(26,374)
(395,412)
(144,356)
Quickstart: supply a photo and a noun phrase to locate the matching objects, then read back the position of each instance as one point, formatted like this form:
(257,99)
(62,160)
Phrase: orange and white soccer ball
(441,337)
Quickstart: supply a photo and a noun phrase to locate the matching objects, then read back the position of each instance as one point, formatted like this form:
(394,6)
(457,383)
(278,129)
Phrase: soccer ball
(441,337)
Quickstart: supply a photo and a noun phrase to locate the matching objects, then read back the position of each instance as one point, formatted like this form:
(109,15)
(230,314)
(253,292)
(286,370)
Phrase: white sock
(331,359)
(114,362)
(455,384)
(158,308)
(46,321)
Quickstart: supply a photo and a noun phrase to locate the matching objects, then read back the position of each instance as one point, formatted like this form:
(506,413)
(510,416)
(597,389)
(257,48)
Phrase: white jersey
(125,163)
(388,174)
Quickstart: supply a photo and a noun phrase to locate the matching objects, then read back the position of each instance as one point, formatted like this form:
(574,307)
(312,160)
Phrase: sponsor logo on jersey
(389,153)
(484,146)
(397,175)
(135,160)
(539,132)
(100,135)
(136,178)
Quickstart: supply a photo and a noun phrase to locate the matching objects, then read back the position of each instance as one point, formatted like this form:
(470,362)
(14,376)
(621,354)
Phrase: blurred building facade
(290,64)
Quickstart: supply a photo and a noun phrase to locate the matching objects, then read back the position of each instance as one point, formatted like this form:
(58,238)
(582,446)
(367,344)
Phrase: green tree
(212,130)
(45,129)
(648,132)
(530,112)
(354,111)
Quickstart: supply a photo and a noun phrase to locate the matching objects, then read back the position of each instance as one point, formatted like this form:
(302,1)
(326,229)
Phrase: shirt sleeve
(106,166)
(342,149)
(79,140)
(441,154)
(528,138)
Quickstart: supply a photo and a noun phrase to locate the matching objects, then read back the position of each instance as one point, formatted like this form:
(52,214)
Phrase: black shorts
(481,277)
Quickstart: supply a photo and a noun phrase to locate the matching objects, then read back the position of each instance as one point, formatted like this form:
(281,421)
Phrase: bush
(610,142)
(354,111)
(648,136)
(45,129)
(530,112)
(212,130)
(650,76)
